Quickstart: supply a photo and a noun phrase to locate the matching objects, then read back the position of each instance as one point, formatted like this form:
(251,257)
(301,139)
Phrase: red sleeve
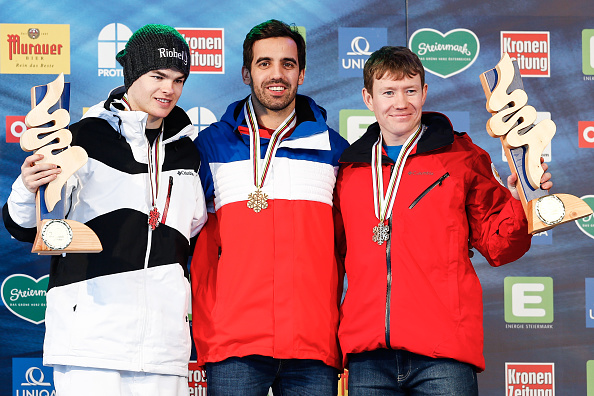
(498,225)
(339,235)
(203,276)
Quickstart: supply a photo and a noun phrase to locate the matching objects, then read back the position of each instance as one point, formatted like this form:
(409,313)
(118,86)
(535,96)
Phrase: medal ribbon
(154,165)
(383,204)
(275,140)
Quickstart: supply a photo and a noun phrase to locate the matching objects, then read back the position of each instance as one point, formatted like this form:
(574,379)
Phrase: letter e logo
(528,299)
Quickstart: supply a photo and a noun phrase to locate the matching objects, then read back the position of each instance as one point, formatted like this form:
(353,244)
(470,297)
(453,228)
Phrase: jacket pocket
(431,187)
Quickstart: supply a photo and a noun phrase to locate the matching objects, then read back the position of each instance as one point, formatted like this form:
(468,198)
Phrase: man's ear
(245,75)
(367,98)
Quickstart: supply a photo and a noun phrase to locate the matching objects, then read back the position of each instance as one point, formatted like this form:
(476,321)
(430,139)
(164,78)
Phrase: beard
(262,96)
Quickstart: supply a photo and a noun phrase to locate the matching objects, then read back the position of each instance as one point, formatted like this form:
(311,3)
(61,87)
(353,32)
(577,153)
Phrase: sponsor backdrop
(539,311)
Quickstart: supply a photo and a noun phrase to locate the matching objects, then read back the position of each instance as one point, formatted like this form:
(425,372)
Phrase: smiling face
(274,76)
(398,106)
(156,93)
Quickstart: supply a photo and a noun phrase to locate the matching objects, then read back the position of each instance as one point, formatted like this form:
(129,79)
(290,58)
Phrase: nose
(276,71)
(167,85)
(400,100)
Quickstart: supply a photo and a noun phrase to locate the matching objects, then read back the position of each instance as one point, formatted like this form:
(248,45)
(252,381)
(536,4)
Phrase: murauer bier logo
(445,54)
(34,49)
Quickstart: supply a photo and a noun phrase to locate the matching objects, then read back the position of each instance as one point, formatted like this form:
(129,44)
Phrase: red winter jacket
(419,291)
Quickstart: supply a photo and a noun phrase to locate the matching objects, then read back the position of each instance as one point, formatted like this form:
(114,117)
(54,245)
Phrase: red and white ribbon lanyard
(258,200)
(383,204)
(155,153)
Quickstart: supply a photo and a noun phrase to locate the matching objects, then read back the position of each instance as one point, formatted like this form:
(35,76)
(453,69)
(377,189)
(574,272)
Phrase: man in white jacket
(116,321)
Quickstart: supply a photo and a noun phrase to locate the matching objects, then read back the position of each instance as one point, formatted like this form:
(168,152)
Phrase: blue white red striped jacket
(268,283)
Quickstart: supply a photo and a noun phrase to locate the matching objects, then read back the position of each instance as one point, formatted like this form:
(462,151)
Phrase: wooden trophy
(47,135)
(523,143)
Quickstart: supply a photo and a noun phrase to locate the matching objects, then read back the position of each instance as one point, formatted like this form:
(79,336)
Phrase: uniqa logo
(356,46)
(31,380)
(445,54)
(24,296)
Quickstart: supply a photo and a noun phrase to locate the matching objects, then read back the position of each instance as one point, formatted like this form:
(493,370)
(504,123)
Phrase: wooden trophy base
(65,236)
(573,208)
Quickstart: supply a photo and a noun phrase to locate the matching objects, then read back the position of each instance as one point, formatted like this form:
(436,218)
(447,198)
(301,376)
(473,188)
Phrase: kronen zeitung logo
(445,54)
(530,50)
(24,296)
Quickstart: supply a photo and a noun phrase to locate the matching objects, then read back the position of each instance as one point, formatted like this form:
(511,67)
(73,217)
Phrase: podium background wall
(558,327)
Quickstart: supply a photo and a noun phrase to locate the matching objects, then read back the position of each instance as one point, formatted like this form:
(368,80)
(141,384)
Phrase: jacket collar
(311,119)
(177,123)
(439,133)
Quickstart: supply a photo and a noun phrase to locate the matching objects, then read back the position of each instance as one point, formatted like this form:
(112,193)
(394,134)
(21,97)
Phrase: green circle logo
(586,224)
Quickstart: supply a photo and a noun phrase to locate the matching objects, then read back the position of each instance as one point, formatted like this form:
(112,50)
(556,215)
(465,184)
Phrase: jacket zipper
(431,187)
(388,279)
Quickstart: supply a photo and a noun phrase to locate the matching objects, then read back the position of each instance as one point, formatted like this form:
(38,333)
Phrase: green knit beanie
(154,47)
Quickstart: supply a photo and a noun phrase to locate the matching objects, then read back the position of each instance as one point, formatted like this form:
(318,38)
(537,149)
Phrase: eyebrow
(267,58)
(166,75)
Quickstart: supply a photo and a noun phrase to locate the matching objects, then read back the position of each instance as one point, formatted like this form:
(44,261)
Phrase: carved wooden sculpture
(46,134)
(523,143)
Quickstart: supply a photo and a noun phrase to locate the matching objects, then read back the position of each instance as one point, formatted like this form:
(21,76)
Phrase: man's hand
(34,174)
(545,181)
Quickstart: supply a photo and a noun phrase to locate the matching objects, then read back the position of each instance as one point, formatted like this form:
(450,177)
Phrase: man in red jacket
(410,195)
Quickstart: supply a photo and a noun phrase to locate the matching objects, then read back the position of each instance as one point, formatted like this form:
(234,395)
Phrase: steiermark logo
(528,299)
(445,54)
(354,123)
(586,224)
(24,296)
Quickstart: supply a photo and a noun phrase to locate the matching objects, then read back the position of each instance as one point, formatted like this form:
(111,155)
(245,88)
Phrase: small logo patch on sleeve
(496,174)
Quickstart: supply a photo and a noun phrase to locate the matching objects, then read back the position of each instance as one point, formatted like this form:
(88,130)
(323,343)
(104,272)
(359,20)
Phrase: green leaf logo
(445,54)
(24,296)
(586,224)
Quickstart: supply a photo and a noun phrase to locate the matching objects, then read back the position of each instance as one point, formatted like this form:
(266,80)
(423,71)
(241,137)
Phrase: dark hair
(269,29)
(394,61)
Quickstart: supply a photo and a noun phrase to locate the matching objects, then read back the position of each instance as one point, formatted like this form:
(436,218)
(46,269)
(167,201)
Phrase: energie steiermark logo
(354,123)
(528,299)
(24,296)
(445,54)
(588,52)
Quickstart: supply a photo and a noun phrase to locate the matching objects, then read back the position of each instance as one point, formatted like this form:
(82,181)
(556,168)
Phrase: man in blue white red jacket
(117,321)
(411,193)
(267,286)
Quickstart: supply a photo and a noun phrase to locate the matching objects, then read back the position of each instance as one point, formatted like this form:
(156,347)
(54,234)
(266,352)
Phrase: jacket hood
(439,133)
